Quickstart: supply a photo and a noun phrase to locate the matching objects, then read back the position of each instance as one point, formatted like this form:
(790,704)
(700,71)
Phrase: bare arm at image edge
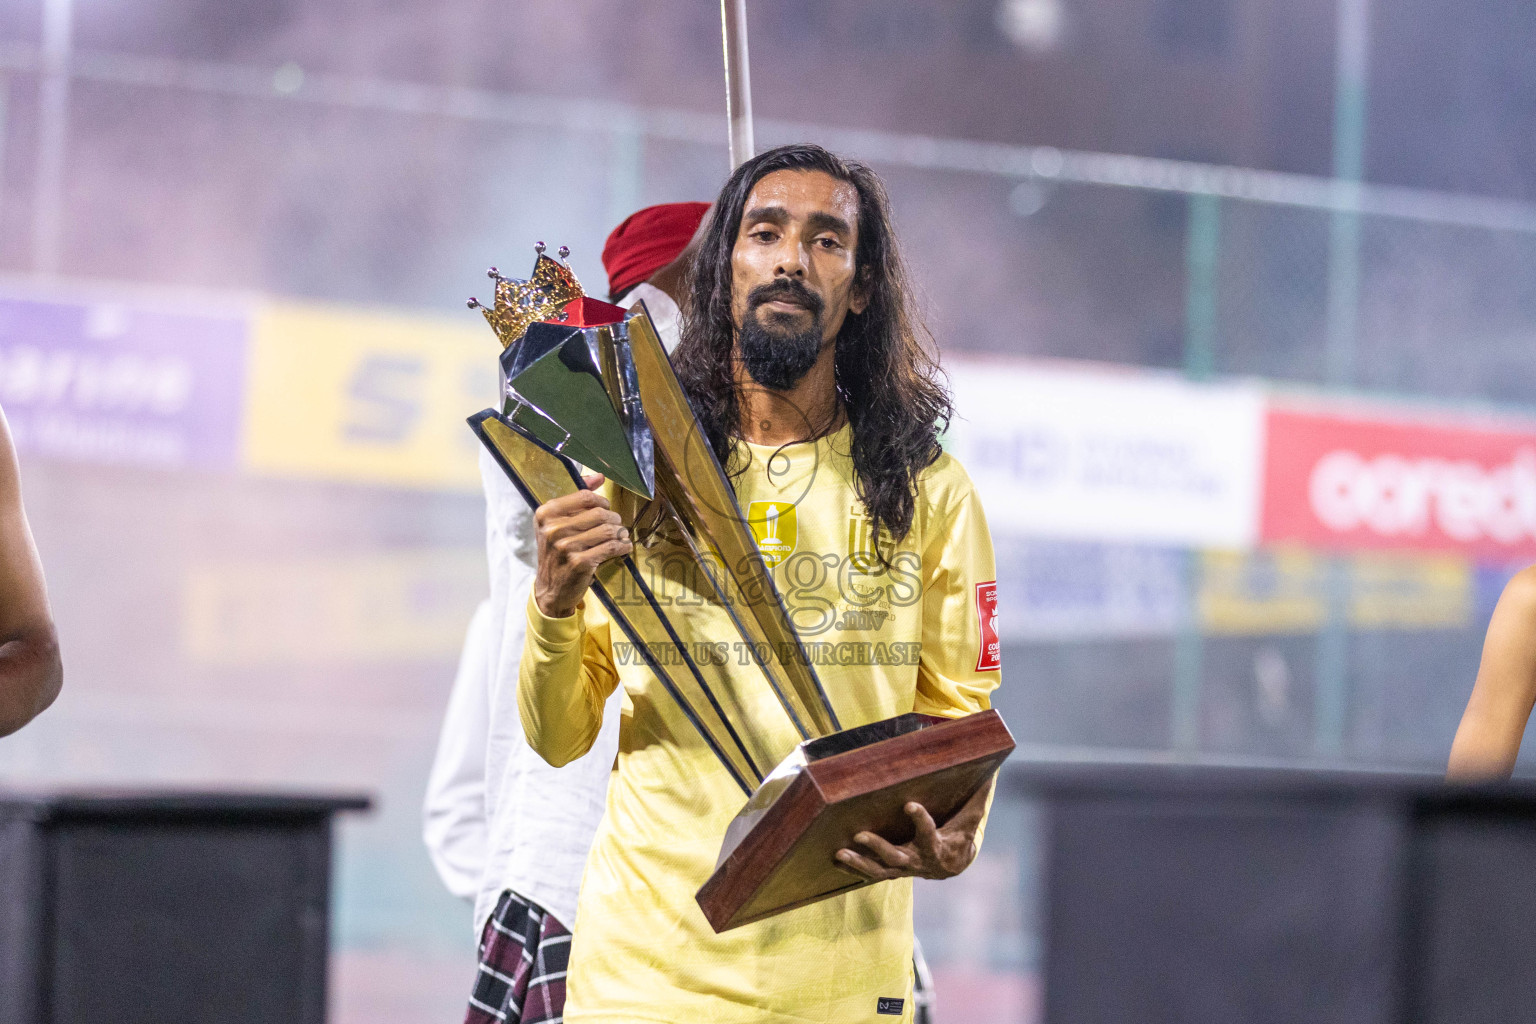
(30,670)
(1488,738)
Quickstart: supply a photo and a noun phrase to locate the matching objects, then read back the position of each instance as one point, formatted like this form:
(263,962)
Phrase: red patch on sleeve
(990,658)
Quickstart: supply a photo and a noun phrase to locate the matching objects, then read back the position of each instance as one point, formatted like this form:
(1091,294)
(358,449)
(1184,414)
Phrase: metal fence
(388,191)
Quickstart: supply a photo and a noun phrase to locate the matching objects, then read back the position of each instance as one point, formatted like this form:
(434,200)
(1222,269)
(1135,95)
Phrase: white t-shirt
(453,820)
(665,316)
(490,798)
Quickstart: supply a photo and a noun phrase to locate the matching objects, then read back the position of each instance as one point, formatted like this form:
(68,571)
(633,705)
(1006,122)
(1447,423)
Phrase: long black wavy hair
(887,371)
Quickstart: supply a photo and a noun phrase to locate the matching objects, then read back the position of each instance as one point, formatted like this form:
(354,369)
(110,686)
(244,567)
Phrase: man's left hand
(933,853)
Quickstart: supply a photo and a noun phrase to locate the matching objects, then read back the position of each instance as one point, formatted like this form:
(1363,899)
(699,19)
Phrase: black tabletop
(1045,778)
(77,803)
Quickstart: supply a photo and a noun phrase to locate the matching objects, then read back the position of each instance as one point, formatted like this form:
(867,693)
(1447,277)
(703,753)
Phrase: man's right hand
(576,534)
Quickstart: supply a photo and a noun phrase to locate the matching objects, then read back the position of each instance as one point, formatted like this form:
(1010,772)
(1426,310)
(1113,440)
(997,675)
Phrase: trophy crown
(521,303)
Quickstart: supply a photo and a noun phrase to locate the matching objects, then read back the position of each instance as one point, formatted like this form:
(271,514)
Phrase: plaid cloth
(523,954)
(519,984)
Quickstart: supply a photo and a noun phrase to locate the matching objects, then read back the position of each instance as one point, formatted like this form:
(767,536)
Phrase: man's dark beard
(778,359)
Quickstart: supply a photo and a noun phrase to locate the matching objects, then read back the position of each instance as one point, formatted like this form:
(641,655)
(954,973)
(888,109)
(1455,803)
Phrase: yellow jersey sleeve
(959,666)
(565,677)
(960,662)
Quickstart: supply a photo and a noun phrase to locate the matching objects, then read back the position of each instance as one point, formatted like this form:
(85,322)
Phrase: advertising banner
(1109,456)
(1262,592)
(344,394)
(1339,481)
(120,383)
(368,607)
(1286,590)
(1066,590)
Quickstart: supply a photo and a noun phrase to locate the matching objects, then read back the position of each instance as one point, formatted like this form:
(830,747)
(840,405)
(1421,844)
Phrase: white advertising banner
(1110,456)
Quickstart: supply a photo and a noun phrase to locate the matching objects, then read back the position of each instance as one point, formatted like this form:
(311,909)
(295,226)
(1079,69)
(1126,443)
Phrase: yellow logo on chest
(774,526)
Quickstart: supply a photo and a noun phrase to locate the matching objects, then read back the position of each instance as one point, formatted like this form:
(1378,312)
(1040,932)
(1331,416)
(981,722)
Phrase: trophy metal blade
(560,372)
(701,688)
(590,386)
(703,500)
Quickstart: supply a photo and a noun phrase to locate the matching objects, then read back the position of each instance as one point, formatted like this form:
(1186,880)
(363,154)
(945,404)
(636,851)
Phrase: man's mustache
(785,290)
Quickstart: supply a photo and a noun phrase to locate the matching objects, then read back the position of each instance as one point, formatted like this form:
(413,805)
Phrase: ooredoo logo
(1352,482)
(1397,496)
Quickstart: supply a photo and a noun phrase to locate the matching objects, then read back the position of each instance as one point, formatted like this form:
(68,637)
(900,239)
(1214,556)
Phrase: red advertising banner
(1354,482)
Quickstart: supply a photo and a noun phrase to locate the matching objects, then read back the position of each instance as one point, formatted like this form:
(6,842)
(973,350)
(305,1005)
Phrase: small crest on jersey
(886,1004)
(990,648)
(775,528)
(862,544)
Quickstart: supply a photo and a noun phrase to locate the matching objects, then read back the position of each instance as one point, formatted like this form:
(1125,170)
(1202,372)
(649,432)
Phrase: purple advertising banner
(122,383)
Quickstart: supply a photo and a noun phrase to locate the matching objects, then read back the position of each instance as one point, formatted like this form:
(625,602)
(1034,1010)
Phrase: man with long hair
(820,395)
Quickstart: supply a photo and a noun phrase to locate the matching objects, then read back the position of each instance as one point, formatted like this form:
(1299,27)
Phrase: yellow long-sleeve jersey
(918,635)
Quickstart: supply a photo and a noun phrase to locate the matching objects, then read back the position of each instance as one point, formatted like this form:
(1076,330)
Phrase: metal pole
(1349,113)
(1189,662)
(53,135)
(1331,711)
(1202,265)
(738,80)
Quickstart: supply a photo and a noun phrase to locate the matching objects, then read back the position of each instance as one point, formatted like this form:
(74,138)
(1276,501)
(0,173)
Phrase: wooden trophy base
(779,852)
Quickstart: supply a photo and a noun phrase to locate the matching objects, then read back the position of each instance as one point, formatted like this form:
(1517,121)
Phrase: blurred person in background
(1488,739)
(801,344)
(31,671)
(647,259)
(454,823)
(503,828)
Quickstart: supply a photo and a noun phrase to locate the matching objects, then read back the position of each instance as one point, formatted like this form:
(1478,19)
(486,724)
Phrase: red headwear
(648,240)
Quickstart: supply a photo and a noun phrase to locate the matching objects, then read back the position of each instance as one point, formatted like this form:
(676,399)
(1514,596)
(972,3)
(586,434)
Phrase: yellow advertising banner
(1410,592)
(1285,590)
(349,394)
(1278,591)
(369,607)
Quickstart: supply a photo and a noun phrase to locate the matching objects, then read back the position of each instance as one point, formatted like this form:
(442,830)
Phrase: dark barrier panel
(1185,895)
(165,908)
